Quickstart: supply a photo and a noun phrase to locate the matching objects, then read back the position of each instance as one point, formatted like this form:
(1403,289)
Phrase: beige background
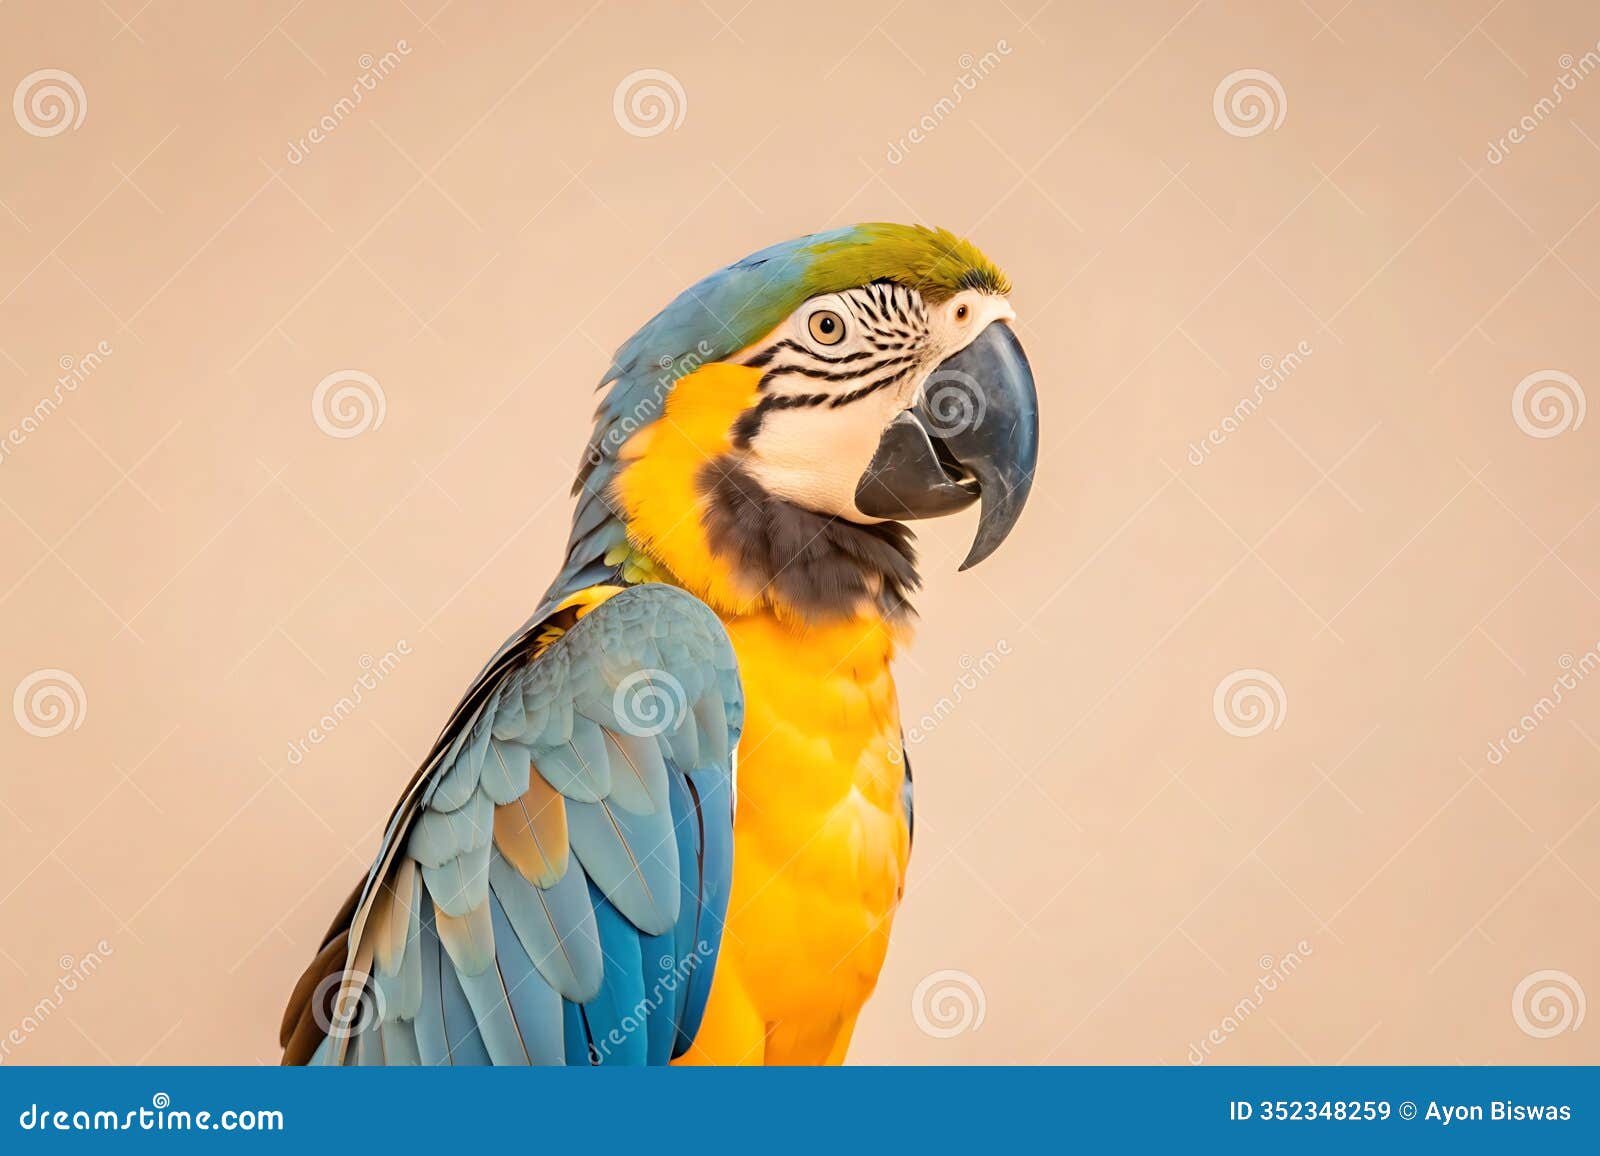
(1096,855)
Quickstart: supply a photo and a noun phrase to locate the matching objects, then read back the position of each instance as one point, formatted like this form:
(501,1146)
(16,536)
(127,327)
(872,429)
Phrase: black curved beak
(973,436)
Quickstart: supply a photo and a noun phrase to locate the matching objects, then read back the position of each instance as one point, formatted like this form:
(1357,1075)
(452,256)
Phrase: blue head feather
(712,319)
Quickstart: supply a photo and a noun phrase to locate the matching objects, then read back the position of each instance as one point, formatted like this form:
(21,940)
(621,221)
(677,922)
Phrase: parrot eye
(826,327)
(961,312)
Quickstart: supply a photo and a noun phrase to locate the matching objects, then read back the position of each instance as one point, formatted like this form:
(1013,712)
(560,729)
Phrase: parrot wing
(552,886)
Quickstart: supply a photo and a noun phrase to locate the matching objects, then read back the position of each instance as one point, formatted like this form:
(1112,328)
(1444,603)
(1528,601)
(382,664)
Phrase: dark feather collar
(825,567)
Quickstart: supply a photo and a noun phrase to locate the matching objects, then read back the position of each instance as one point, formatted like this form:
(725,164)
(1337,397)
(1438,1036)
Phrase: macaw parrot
(576,875)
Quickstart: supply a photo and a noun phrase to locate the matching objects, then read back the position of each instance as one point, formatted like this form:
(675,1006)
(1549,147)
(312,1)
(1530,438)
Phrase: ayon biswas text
(1447,1114)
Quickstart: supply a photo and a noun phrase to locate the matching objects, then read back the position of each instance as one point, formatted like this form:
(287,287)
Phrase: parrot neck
(695,517)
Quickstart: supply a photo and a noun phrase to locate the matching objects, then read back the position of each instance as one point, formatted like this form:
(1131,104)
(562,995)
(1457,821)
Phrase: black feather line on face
(748,423)
(816,374)
(869,389)
(825,567)
(787,345)
(894,322)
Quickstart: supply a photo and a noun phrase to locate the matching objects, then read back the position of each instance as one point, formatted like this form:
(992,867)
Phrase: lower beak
(973,436)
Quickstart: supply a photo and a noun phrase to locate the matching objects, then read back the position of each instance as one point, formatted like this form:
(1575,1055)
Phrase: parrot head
(764,437)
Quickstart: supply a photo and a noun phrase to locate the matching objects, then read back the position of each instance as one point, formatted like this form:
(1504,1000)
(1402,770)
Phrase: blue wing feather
(658,957)
(570,924)
(579,1052)
(462,1042)
(432,1045)
(616,1016)
(712,800)
(535,1005)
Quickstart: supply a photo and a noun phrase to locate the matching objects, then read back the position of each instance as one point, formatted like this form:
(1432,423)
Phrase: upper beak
(973,435)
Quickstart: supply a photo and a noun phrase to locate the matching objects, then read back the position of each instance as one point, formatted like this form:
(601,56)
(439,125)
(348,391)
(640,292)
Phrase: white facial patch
(837,372)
